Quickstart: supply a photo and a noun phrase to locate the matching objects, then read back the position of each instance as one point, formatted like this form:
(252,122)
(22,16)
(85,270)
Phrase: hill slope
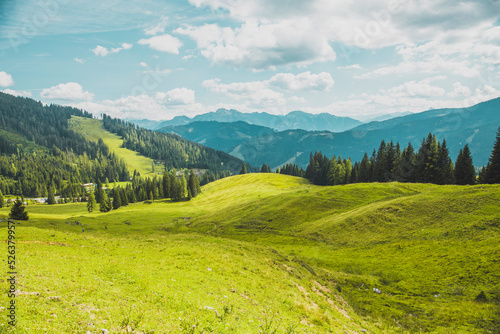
(429,250)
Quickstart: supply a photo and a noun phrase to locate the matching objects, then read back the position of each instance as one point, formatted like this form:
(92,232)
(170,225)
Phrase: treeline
(431,163)
(174,151)
(32,174)
(174,185)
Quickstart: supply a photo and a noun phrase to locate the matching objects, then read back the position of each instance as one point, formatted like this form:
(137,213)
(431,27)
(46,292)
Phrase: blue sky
(159,59)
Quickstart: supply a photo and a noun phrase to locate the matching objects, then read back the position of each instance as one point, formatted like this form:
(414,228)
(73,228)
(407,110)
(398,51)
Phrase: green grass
(266,252)
(92,129)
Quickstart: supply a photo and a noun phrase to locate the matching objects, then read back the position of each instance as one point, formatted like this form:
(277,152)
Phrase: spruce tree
(2,202)
(493,167)
(51,199)
(91,203)
(243,169)
(17,211)
(105,204)
(464,168)
(445,165)
(183,187)
(116,199)
(193,184)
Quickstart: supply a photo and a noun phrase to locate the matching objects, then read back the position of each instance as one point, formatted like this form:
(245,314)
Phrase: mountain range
(292,120)
(475,126)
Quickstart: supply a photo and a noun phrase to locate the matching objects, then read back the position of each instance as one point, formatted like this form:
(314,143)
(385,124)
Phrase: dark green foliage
(432,164)
(91,203)
(481,298)
(493,167)
(243,169)
(51,199)
(175,151)
(116,199)
(464,168)
(2,202)
(105,203)
(291,169)
(166,185)
(38,149)
(265,169)
(193,184)
(17,211)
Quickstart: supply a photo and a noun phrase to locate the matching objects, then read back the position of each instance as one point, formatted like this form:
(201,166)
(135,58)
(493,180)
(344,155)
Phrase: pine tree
(493,167)
(175,188)
(464,168)
(17,211)
(183,187)
(445,165)
(51,199)
(105,204)
(91,203)
(193,184)
(2,202)
(243,169)
(116,199)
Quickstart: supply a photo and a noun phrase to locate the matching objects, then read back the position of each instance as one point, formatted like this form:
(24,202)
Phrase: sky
(154,59)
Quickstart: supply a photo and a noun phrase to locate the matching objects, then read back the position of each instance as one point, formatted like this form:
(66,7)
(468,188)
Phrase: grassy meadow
(92,129)
(265,253)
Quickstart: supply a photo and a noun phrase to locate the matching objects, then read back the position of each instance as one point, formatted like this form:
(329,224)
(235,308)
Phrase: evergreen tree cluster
(291,169)
(430,164)
(213,176)
(175,185)
(491,172)
(174,151)
(265,168)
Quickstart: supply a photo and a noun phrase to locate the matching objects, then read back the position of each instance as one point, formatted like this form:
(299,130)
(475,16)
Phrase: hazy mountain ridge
(475,126)
(292,120)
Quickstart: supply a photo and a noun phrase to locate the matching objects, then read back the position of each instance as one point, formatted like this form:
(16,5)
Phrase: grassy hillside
(259,252)
(92,129)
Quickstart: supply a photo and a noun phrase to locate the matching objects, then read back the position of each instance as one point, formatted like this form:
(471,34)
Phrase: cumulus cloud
(177,96)
(103,52)
(164,43)
(459,90)
(6,79)
(24,93)
(100,51)
(303,81)
(160,106)
(70,91)
(421,88)
(261,46)
(158,28)
(78,60)
(263,94)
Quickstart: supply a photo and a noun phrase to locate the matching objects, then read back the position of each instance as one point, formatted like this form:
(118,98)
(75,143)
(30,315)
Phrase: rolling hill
(268,252)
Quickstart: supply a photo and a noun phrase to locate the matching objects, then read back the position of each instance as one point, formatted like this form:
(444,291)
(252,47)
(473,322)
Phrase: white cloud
(164,105)
(164,43)
(103,52)
(303,81)
(351,67)
(81,61)
(177,96)
(143,64)
(459,90)
(261,45)
(100,51)
(158,28)
(255,94)
(421,88)
(6,79)
(17,92)
(70,91)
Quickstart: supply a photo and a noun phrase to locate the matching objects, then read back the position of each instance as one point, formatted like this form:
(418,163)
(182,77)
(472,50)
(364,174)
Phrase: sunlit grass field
(92,129)
(265,253)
